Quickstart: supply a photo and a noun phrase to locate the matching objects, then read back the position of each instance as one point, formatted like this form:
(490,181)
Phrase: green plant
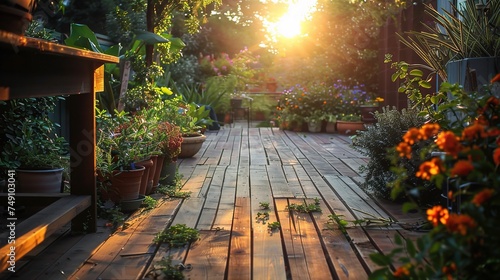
(174,190)
(304,207)
(262,217)
(375,143)
(177,236)
(149,202)
(453,35)
(349,117)
(28,135)
(273,226)
(264,205)
(167,270)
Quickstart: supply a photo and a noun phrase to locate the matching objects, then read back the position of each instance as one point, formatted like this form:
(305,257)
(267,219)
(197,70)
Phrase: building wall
(409,19)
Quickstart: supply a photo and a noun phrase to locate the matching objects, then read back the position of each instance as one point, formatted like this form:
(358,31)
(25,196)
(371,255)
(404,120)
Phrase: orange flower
(496,156)
(430,168)
(474,131)
(482,196)
(449,270)
(462,168)
(401,271)
(412,136)
(460,223)
(404,150)
(437,214)
(448,142)
(495,79)
(429,130)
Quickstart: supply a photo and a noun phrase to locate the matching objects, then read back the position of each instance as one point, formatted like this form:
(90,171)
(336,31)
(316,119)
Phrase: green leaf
(394,77)
(78,31)
(410,247)
(398,240)
(424,84)
(380,259)
(416,73)
(150,38)
(408,206)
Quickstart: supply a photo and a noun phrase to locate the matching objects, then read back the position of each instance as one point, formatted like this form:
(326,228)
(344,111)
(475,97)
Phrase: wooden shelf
(36,68)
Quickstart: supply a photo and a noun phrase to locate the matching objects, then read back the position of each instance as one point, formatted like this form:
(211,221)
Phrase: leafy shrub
(376,143)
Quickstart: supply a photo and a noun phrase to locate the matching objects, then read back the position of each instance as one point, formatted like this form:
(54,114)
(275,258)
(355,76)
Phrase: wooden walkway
(236,171)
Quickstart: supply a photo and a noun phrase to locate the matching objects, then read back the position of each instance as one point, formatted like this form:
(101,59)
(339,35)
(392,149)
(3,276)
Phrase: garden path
(237,170)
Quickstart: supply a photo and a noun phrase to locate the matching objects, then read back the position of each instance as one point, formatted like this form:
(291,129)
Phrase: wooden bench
(22,237)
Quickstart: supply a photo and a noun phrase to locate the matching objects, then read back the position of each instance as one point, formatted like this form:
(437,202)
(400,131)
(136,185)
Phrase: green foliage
(304,207)
(452,35)
(28,135)
(149,203)
(264,205)
(376,143)
(177,236)
(273,226)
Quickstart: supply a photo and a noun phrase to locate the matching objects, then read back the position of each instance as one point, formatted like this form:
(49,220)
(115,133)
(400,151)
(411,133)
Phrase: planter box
(349,128)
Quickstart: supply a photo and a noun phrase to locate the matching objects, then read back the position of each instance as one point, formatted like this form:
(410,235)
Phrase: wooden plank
(268,260)
(307,235)
(32,231)
(294,251)
(341,255)
(239,267)
(277,180)
(126,253)
(208,256)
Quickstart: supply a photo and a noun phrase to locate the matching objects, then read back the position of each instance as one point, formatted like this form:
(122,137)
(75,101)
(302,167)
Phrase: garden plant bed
(236,172)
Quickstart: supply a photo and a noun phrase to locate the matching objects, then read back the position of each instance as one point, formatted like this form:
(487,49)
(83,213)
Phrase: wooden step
(24,236)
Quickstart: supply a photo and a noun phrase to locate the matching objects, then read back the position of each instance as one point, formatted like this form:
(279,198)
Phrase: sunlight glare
(289,25)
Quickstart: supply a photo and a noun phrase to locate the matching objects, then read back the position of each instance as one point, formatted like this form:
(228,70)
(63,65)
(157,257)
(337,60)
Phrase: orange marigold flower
(493,132)
(437,214)
(482,196)
(404,150)
(412,136)
(401,271)
(460,223)
(429,130)
(462,168)
(449,142)
(474,131)
(449,270)
(495,79)
(430,168)
(496,156)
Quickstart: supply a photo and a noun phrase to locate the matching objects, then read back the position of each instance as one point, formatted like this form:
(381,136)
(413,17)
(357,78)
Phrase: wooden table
(36,68)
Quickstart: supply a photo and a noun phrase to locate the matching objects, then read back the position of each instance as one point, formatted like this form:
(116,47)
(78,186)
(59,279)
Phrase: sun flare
(289,25)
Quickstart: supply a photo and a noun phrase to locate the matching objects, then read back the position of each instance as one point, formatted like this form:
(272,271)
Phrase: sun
(289,25)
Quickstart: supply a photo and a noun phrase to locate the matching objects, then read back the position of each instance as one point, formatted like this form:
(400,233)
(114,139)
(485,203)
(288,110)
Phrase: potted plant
(119,147)
(314,121)
(349,123)
(170,147)
(15,15)
(331,123)
(31,146)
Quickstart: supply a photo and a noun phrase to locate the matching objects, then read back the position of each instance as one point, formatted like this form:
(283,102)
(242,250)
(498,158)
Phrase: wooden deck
(238,169)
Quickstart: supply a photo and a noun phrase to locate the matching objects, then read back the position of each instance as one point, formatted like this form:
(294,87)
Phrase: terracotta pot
(314,126)
(331,127)
(145,180)
(39,181)
(349,128)
(191,145)
(159,166)
(125,185)
(152,172)
(367,112)
(168,172)
(16,16)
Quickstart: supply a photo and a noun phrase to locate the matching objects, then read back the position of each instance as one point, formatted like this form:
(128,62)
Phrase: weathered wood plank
(208,256)
(307,236)
(268,260)
(239,267)
(341,255)
(33,231)
(290,229)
